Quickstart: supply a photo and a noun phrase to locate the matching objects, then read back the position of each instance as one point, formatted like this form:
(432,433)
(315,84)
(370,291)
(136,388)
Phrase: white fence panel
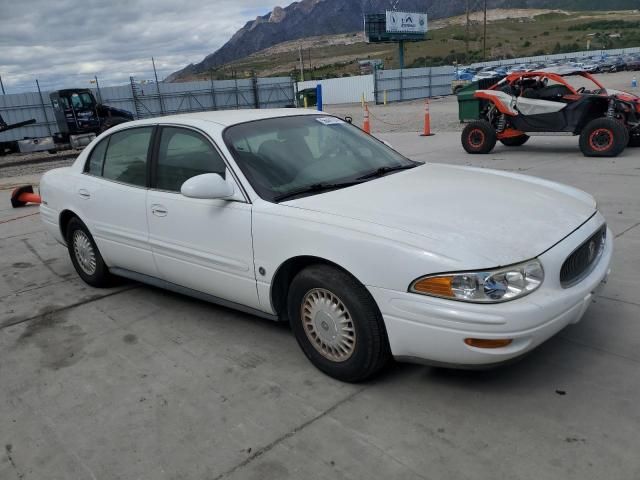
(343,90)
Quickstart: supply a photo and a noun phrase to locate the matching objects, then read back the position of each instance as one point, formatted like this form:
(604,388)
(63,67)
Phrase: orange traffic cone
(23,195)
(427,121)
(366,126)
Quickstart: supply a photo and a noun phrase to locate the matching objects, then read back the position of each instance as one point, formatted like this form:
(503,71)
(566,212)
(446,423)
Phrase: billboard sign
(406,22)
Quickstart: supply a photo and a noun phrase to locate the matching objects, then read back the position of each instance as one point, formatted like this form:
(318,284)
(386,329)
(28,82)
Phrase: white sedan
(301,217)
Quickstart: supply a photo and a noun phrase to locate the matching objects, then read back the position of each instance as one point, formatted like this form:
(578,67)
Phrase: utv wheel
(634,140)
(337,324)
(603,137)
(86,257)
(479,137)
(515,141)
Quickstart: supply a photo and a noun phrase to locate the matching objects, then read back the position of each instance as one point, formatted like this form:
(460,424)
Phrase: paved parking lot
(138,383)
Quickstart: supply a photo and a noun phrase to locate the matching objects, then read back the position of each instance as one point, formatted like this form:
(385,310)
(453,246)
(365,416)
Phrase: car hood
(497,217)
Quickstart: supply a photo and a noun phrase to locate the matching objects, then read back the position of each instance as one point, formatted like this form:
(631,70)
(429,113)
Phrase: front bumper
(428,329)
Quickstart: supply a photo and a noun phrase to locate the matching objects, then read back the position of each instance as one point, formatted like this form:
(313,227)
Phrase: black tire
(479,137)
(366,348)
(515,141)
(603,137)
(627,135)
(96,275)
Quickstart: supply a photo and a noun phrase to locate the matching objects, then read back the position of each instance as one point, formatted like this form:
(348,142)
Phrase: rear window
(96,158)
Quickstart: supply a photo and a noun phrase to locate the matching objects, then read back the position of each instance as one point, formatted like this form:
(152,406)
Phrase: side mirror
(207,186)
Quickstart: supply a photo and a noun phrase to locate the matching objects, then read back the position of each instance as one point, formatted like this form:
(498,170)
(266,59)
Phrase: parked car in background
(632,63)
(612,65)
(486,74)
(366,254)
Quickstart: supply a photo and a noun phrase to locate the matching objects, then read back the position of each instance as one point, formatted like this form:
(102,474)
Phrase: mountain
(308,18)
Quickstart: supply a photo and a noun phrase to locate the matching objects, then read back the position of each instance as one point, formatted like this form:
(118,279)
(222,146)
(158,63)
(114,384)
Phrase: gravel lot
(138,383)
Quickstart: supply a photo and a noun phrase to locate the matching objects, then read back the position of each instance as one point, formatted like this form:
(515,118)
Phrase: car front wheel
(86,257)
(337,324)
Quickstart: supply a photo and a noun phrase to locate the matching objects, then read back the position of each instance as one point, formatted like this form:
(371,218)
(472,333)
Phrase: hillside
(309,18)
(512,33)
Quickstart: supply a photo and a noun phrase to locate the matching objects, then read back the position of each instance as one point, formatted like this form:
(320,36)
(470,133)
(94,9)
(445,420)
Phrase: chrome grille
(580,263)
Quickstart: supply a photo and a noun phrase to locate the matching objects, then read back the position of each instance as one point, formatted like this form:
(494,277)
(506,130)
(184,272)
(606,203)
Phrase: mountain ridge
(339,16)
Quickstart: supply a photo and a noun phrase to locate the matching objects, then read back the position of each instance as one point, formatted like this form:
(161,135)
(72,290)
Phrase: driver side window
(185,154)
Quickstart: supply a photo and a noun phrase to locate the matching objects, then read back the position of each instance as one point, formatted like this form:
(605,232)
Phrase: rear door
(112,196)
(204,245)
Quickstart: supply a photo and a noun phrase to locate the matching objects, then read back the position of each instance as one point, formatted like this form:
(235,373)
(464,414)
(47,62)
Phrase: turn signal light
(440,286)
(488,343)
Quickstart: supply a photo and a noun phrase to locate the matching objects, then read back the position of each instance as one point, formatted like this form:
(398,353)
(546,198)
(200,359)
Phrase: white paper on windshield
(330,120)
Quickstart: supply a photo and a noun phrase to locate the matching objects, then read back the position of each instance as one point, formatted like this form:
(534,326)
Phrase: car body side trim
(158,282)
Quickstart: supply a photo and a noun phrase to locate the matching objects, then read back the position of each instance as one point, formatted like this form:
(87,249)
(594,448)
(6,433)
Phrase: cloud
(66,42)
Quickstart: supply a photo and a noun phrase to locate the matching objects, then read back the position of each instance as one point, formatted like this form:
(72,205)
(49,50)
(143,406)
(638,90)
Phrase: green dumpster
(310,94)
(468,105)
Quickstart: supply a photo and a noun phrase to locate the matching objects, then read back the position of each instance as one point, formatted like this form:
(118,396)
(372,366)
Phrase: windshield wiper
(384,170)
(314,188)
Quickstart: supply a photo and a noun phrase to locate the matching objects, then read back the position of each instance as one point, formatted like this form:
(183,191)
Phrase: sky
(65,43)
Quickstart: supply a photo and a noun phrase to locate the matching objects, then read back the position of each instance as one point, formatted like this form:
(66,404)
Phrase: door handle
(84,194)
(159,210)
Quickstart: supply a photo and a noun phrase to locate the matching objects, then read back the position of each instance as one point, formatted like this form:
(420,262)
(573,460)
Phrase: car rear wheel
(337,324)
(603,137)
(515,141)
(86,257)
(479,137)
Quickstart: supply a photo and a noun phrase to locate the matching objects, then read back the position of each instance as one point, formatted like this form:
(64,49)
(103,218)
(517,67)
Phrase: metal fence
(412,83)
(151,100)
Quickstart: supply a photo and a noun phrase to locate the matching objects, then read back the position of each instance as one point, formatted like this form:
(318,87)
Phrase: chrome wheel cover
(328,325)
(84,252)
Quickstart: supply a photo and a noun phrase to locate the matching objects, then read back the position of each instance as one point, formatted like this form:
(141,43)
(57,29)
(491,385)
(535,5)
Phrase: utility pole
(484,37)
(98,89)
(155,73)
(468,29)
(301,63)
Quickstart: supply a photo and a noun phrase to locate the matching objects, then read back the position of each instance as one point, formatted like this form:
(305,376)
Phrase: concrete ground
(138,383)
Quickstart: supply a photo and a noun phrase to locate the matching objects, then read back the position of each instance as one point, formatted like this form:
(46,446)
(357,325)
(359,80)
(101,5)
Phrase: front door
(204,245)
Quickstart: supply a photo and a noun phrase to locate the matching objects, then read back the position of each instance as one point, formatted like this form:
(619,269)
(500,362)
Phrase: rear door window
(96,159)
(126,157)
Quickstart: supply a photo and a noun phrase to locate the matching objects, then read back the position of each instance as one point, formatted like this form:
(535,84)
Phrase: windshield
(287,154)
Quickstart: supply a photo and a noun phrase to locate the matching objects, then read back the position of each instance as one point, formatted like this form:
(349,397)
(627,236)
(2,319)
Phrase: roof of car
(227,118)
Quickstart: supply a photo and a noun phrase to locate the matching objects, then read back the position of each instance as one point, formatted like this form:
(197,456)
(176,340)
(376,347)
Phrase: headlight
(490,286)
